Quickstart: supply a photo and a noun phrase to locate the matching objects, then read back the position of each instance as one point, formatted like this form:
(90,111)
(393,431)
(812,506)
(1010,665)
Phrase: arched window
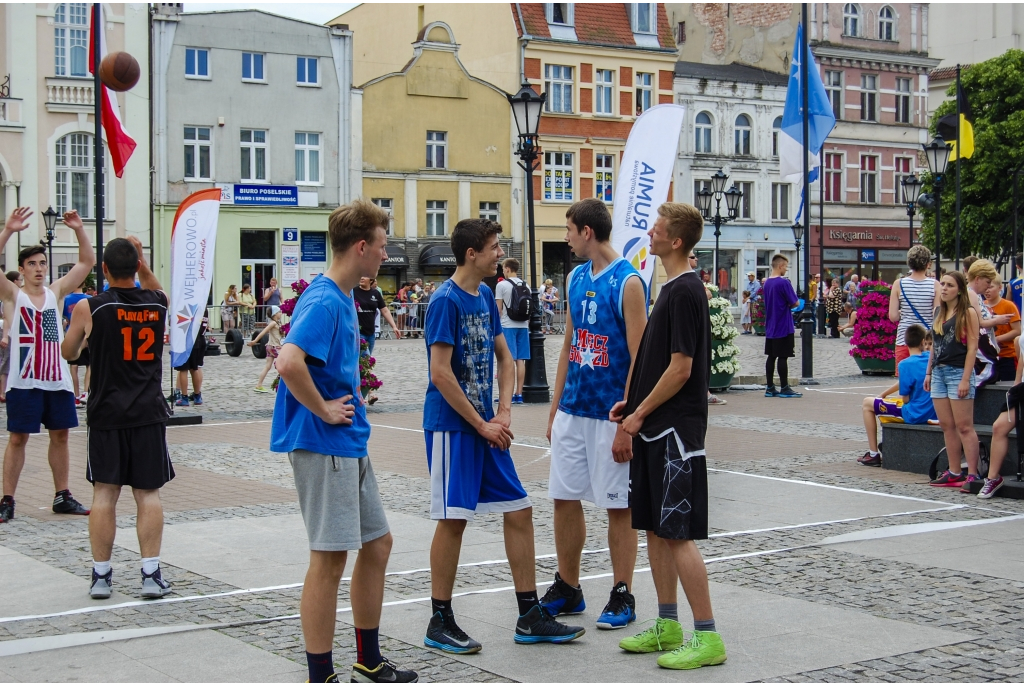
(886,24)
(851,20)
(703,135)
(776,129)
(70,39)
(75,180)
(742,135)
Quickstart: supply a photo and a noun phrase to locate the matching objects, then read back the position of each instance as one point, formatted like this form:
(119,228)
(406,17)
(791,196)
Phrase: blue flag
(821,120)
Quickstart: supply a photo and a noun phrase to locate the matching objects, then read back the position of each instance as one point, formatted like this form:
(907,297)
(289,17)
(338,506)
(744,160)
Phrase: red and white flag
(119,141)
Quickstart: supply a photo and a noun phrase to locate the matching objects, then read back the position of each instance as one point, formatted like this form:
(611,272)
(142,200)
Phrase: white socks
(150,565)
(101,568)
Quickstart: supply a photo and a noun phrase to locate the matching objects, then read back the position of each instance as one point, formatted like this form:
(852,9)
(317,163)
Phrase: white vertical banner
(645,174)
(193,239)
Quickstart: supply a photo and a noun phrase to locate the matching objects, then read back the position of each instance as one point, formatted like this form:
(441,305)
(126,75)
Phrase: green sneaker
(704,649)
(663,635)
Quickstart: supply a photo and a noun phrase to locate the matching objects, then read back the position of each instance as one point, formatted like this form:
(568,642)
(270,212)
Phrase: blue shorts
(469,477)
(26,409)
(518,340)
(946,379)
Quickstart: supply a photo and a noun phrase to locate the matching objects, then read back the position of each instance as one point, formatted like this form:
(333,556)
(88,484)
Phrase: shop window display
(725,279)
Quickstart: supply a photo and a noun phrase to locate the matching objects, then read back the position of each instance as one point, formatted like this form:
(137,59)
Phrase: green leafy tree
(995,90)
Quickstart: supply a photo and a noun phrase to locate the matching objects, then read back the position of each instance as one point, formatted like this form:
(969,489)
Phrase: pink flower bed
(874,335)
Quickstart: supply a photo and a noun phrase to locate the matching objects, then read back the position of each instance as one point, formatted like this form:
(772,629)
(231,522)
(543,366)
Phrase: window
(489,211)
(681,33)
(603,176)
(903,101)
(776,130)
(605,89)
(559,13)
(388,205)
(197,63)
(903,168)
(558,83)
(252,66)
(307,71)
(833,177)
(558,172)
(834,89)
(644,92)
(64,269)
(75,181)
(197,153)
(747,201)
(254,155)
(645,17)
(869,179)
(886,24)
(851,20)
(307,158)
(868,97)
(702,144)
(742,135)
(780,202)
(437,214)
(437,141)
(70,39)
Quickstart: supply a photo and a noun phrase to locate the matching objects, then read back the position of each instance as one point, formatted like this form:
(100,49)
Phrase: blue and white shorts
(469,477)
(946,382)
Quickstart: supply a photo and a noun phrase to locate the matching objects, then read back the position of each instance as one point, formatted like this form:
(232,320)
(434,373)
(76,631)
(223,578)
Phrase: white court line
(829,487)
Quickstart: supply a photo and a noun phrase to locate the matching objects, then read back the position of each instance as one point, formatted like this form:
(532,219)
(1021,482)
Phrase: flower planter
(876,367)
(721,381)
(758,330)
(874,335)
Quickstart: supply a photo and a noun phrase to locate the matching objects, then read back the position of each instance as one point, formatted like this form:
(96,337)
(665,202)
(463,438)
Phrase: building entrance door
(257,274)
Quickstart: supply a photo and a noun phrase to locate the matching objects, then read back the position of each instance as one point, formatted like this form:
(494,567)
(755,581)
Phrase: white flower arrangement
(722,330)
(723,352)
(726,366)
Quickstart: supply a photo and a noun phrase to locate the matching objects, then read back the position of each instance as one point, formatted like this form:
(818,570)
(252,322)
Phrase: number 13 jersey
(126,346)
(599,355)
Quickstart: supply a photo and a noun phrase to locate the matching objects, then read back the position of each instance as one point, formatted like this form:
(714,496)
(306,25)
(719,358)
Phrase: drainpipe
(152,250)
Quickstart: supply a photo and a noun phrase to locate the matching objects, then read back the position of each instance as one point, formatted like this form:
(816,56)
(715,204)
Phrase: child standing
(273,332)
(951,379)
(745,313)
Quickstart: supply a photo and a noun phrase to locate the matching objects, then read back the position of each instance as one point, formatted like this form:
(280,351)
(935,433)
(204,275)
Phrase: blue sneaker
(197,398)
(620,610)
(770,391)
(182,402)
(444,634)
(789,392)
(563,599)
(517,399)
(539,626)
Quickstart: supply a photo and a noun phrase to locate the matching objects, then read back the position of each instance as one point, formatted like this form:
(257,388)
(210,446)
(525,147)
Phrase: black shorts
(130,456)
(779,347)
(83,359)
(668,494)
(195,360)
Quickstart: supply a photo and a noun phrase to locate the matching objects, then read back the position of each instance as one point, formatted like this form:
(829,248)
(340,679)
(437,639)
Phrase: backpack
(520,304)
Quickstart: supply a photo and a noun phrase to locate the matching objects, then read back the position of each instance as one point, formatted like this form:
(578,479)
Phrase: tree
(995,89)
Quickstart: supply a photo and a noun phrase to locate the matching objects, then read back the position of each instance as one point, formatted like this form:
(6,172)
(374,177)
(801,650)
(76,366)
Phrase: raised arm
(147,279)
(16,223)
(86,257)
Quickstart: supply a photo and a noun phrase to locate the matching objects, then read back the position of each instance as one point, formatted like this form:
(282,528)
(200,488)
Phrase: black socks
(526,601)
(321,666)
(368,647)
(442,605)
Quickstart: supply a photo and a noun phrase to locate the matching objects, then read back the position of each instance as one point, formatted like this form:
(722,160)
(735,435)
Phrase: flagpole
(821,242)
(97,25)
(806,323)
(958,156)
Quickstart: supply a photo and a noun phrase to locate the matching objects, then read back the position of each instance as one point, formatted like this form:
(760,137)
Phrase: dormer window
(559,13)
(645,17)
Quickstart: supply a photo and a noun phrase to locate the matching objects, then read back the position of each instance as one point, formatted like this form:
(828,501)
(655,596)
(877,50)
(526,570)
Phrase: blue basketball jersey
(599,356)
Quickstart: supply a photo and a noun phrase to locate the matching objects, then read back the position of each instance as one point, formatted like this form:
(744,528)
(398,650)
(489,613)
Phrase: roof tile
(600,23)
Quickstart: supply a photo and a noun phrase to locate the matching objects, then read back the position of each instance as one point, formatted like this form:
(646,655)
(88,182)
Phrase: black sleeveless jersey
(126,345)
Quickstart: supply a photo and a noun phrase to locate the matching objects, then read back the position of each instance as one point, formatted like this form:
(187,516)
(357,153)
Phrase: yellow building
(436,149)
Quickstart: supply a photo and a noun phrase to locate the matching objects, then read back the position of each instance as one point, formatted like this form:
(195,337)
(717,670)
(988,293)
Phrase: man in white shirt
(517,333)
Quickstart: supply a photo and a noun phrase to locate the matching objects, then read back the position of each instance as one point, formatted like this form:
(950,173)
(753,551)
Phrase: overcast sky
(316,12)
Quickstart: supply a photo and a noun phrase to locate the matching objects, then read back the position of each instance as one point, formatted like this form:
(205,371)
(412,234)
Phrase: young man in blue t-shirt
(471,470)
(320,421)
(915,403)
(1017,284)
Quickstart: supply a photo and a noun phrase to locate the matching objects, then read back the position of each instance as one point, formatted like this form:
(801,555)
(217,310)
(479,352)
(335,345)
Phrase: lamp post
(50,220)
(798,234)
(732,203)
(526,108)
(937,155)
(911,189)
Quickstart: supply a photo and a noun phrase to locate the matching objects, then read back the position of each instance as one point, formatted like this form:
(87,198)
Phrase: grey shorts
(340,503)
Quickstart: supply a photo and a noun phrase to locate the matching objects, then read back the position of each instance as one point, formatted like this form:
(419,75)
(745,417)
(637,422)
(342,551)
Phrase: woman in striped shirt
(913,299)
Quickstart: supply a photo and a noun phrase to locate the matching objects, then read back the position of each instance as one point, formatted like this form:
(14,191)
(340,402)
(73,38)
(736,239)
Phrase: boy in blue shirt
(471,470)
(320,421)
(914,404)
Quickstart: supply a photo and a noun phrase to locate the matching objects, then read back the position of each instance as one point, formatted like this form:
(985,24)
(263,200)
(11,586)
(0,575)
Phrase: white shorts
(581,462)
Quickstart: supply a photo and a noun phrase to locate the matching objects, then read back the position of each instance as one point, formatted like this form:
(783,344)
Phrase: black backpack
(520,304)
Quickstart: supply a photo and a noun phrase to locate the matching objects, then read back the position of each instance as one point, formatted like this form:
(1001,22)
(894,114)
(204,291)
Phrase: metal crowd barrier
(224,318)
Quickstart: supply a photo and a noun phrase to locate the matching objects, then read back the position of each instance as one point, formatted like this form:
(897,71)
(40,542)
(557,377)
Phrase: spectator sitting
(1005,423)
(1006,365)
(914,404)
(847,328)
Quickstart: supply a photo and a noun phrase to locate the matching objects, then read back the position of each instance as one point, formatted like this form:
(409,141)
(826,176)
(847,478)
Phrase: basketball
(119,71)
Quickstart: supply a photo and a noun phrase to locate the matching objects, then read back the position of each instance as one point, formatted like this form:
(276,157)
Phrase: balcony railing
(69,95)
(10,111)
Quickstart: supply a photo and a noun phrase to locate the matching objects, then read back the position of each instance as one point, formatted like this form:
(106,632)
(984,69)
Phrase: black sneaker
(539,626)
(386,672)
(770,391)
(563,599)
(6,509)
(443,633)
(64,503)
(620,610)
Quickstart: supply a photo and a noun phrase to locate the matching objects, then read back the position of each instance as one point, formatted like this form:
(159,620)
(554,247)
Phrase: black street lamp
(732,203)
(798,234)
(937,154)
(526,108)
(50,220)
(911,189)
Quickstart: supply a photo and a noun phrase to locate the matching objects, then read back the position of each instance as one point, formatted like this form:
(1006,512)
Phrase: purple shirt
(779,300)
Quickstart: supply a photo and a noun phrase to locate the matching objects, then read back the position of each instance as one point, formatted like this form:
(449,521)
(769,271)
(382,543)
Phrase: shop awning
(437,255)
(397,257)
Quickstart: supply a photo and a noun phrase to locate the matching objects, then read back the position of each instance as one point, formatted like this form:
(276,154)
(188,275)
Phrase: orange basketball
(119,71)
